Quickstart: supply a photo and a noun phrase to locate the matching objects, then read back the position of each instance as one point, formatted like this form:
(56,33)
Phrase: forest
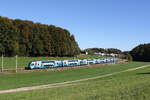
(141,52)
(27,38)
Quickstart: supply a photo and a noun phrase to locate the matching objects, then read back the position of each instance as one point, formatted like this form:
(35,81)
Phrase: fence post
(2,64)
(16,63)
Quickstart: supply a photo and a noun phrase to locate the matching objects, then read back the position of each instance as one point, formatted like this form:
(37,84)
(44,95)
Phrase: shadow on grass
(144,73)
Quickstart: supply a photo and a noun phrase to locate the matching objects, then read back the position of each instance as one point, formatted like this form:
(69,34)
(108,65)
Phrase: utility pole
(16,63)
(2,64)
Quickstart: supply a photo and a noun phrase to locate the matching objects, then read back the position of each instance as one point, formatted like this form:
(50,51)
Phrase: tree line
(102,50)
(26,38)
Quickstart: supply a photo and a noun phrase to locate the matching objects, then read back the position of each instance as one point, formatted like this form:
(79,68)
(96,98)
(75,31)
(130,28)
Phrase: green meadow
(134,85)
(16,80)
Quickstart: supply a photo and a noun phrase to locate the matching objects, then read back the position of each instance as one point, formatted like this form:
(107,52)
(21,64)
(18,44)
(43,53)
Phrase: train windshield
(30,64)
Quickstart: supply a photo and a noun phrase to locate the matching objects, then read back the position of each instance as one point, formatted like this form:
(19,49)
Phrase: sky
(121,24)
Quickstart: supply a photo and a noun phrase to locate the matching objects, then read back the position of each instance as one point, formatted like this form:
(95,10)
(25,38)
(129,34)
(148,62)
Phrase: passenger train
(67,63)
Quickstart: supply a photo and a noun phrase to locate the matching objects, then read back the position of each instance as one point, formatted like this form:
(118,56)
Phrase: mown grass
(38,78)
(134,85)
(10,62)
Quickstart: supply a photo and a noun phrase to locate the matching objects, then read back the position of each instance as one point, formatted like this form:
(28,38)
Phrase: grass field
(134,85)
(10,62)
(8,81)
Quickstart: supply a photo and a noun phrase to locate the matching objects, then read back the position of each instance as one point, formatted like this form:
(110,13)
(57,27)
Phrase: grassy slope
(38,78)
(9,62)
(133,85)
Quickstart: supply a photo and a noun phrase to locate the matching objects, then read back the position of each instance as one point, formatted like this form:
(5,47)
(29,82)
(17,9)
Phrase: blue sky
(119,24)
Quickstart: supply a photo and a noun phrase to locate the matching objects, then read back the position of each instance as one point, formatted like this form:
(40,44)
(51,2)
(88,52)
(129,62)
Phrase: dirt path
(68,83)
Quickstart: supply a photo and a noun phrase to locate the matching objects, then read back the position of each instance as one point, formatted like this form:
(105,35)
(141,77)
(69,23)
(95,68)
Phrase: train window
(73,61)
(47,61)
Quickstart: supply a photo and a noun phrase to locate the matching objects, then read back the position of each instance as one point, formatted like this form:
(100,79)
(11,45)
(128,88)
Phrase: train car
(98,61)
(44,64)
(91,61)
(34,65)
(48,64)
(108,60)
(112,60)
(73,62)
(65,63)
(103,60)
(83,62)
(58,63)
